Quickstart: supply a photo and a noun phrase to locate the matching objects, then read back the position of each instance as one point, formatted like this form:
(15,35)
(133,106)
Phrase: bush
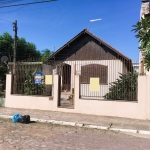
(29,87)
(124,88)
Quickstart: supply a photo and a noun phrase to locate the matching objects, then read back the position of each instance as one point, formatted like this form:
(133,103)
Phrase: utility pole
(15,45)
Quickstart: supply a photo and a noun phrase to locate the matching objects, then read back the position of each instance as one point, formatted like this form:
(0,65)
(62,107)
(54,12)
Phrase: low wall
(27,102)
(134,110)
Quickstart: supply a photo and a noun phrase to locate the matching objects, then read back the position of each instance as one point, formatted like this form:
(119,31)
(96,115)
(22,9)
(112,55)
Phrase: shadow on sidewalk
(33,122)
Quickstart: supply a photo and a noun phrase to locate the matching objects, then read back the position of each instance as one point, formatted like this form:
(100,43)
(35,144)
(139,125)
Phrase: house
(91,57)
(73,66)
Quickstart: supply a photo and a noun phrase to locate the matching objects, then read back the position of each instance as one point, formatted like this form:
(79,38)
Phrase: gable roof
(93,36)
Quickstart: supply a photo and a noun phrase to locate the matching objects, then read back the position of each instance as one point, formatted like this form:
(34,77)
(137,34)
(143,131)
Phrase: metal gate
(66,92)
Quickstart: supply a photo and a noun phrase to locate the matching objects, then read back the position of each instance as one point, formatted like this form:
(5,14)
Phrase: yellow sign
(48,79)
(94,84)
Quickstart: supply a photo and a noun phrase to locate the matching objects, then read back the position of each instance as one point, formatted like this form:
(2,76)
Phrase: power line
(5,20)
(13,10)
(3,2)
(45,7)
(31,3)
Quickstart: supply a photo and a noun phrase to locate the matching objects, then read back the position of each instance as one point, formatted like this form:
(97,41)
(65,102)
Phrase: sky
(51,25)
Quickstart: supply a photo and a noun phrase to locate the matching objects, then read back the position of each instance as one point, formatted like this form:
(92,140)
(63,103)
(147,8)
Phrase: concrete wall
(134,110)
(27,102)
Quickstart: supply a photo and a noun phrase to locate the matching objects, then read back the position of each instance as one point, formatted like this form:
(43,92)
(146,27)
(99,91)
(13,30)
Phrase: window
(94,70)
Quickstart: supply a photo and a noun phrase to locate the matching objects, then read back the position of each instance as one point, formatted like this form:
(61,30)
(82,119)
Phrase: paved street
(40,136)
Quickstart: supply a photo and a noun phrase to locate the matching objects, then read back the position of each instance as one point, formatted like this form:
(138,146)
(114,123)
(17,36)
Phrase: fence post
(8,88)
(76,91)
(56,91)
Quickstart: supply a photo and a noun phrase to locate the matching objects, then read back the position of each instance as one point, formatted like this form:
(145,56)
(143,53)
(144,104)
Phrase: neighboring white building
(136,66)
(145,10)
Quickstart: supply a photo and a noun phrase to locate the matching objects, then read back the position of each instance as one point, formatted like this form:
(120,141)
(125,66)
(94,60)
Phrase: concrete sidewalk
(91,121)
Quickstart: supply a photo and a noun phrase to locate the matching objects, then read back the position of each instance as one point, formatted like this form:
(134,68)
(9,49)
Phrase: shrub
(124,88)
(29,87)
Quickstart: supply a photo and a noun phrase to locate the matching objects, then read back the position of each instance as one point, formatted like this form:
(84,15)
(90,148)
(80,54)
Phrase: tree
(142,28)
(124,88)
(24,51)
(6,45)
(45,54)
(3,70)
(6,49)
(32,51)
(21,49)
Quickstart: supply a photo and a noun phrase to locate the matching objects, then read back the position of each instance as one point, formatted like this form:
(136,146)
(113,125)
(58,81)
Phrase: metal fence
(113,79)
(108,80)
(23,79)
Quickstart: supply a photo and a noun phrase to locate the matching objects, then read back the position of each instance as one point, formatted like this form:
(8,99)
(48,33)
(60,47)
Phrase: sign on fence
(94,85)
(48,79)
(38,78)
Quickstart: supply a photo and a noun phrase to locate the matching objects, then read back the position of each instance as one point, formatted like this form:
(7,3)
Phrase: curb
(84,125)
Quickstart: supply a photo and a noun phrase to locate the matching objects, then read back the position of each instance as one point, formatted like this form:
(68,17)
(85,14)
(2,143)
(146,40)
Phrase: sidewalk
(112,123)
